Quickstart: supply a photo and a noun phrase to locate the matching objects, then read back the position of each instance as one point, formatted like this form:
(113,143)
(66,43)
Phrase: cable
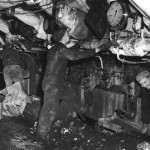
(30,11)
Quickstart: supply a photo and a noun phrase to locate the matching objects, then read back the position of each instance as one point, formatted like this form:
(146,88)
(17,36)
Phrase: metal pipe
(101,61)
(132,47)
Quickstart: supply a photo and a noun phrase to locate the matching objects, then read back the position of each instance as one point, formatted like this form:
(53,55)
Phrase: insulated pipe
(4,26)
(32,19)
(132,47)
(9,3)
(142,6)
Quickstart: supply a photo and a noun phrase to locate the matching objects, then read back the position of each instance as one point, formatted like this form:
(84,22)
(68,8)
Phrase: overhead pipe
(142,6)
(131,47)
(9,3)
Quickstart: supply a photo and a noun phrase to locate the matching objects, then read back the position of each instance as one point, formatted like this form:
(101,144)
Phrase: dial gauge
(117,15)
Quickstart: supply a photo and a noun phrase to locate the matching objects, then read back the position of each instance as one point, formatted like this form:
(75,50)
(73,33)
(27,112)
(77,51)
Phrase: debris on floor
(143,146)
(68,134)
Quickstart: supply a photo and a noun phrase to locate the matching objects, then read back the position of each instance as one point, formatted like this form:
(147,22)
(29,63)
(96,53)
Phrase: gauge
(117,15)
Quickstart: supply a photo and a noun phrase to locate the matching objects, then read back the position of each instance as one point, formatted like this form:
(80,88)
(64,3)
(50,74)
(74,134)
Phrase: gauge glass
(115,13)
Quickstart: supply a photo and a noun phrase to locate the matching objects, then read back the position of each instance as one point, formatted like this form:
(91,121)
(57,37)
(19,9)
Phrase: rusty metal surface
(105,103)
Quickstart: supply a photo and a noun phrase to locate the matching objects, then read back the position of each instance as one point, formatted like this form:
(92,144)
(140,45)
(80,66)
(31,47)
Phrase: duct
(131,47)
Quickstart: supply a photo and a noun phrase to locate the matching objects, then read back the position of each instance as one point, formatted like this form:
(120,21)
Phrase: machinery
(105,84)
